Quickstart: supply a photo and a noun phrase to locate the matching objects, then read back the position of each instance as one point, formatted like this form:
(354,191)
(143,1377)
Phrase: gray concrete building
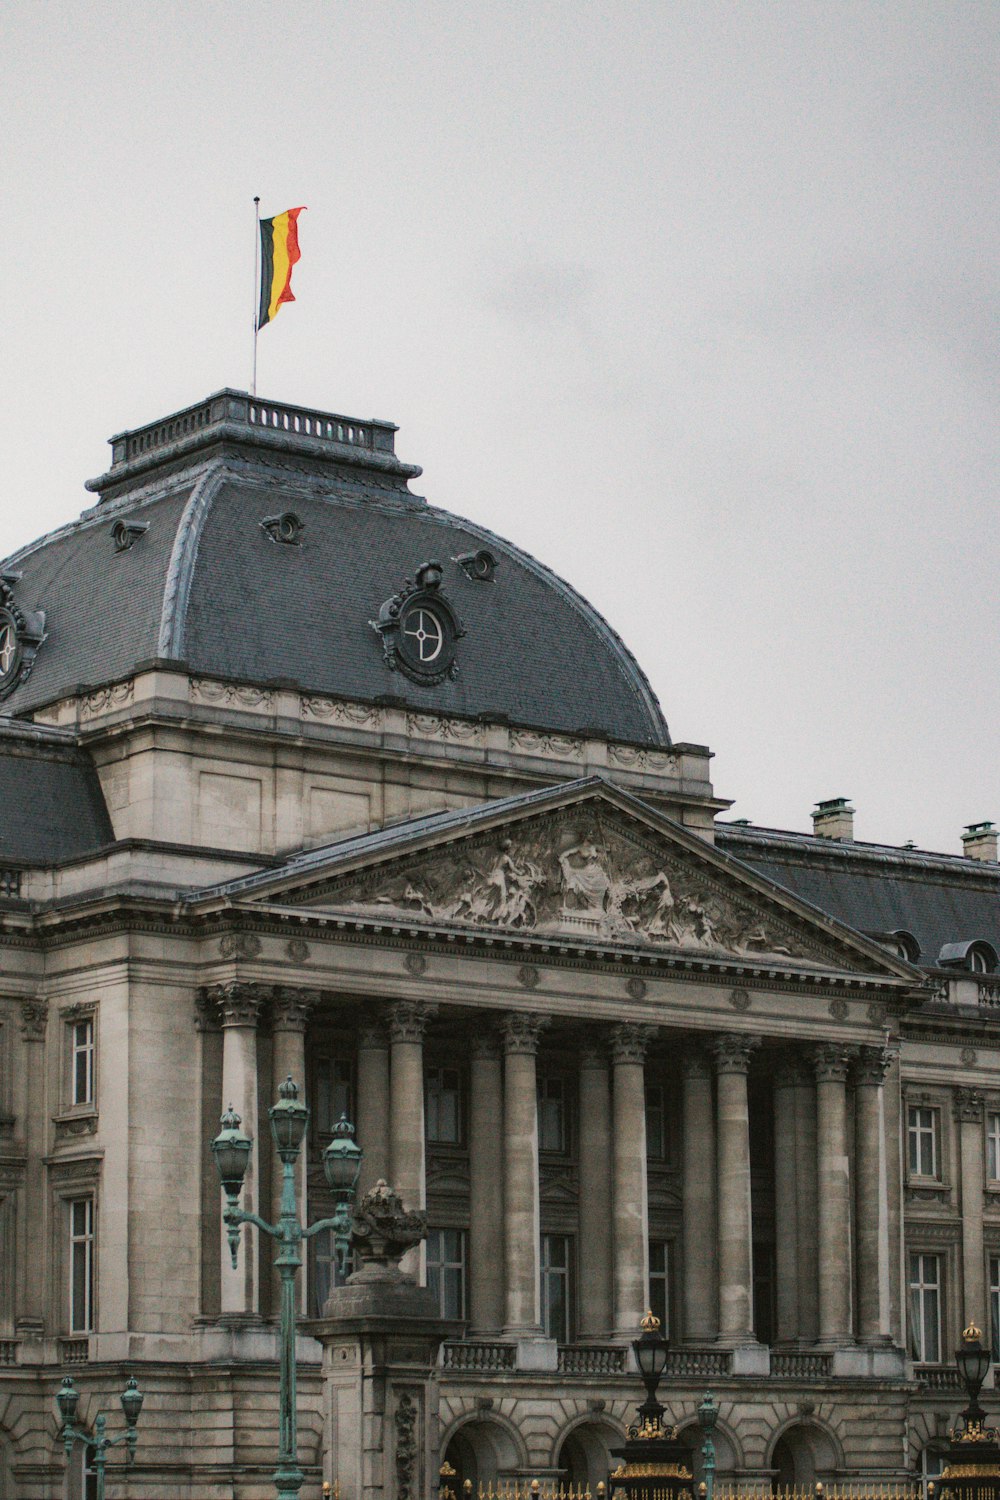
(302,775)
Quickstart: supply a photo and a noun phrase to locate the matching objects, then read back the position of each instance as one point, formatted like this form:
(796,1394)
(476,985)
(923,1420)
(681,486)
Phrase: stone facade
(614,1064)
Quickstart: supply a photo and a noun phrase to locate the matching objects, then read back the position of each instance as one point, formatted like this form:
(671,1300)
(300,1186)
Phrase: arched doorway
(481,1451)
(584,1455)
(802,1454)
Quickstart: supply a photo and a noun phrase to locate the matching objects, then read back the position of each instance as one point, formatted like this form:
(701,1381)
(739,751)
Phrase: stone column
(630,1236)
(968,1105)
(732,1063)
(290,1010)
(372,1106)
(521,1205)
(871,1196)
(807,1207)
(32,1113)
(595,1249)
(486,1279)
(786,1203)
(833,1187)
(407,1156)
(240,1006)
(699,1187)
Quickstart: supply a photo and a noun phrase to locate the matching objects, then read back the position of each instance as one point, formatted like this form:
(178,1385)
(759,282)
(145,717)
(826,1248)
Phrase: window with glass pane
(82,1061)
(446,1270)
(925,1309)
(556,1288)
(923,1136)
(932,1463)
(552,1132)
(656,1123)
(995,1306)
(324,1270)
(81,1264)
(659,1283)
(334,1091)
(993,1146)
(89,1488)
(444,1105)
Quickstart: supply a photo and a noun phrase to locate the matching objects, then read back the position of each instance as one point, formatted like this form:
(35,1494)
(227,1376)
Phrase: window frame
(917,1336)
(442,1265)
(324,1110)
(564,1273)
(87,1239)
(74,1016)
(993,1292)
(543,1081)
(917,1133)
(992,1124)
(665,1279)
(438,1070)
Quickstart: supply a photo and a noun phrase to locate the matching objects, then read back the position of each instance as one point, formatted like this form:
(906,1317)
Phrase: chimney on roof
(979,841)
(834,820)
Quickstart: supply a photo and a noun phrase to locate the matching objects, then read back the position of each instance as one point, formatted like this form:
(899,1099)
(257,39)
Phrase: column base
(536,1353)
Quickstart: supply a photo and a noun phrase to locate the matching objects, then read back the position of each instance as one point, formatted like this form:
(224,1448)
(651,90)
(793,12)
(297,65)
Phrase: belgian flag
(279,250)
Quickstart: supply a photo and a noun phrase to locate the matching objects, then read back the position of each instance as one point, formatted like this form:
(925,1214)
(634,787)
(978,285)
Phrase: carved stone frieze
(630,1042)
(537,742)
(239,945)
(580,873)
(968,1105)
(636,987)
(437,727)
(415,963)
(291,1008)
(528,976)
(839,1009)
(34,1015)
(405,1422)
(732,1053)
(98,702)
(341,711)
(408,1021)
(297,950)
(238,694)
(520,1033)
(639,759)
(72,1126)
(832,1063)
(739,999)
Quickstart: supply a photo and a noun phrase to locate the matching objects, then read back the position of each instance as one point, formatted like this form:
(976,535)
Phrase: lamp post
(708,1415)
(67,1400)
(973,1467)
(341,1165)
(654,1461)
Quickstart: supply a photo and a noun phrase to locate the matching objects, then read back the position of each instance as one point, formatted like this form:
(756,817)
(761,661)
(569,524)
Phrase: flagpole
(256,290)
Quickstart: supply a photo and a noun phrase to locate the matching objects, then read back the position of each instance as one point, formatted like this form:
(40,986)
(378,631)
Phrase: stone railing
(478,1356)
(938,1377)
(698,1364)
(8,1351)
(74,1351)
(795,1366)
(989,992)
(597,1359)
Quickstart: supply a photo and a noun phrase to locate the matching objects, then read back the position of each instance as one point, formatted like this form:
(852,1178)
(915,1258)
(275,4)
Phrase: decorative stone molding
(291,1009)
(871,1066)
(437,727)
(637,987)
(34,1014)
(539,743)
(239,945)
(341,711)
(415,964)
(236,694)
(528,976)
(74,1126)
(98,702)
(832,1063)
(206,1012)
(732,1053)
(739,999)
(968,1106)
(968,1056)
(521,1032)
(408,1021)
(696,1065)
(238,1004)
(297,950)
(405,1421)
(638,759)
(877,1013)
(839,1009)
(629,1042)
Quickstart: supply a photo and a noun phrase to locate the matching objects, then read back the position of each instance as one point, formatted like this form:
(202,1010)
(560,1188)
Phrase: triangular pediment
(583,863)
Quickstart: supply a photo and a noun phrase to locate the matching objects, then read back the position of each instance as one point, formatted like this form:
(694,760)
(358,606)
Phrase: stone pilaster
(595,1250)
(807,1207)
(239,1007)
(787,1078)
(521,1199)
(871,1195)
(968,1109)
(372,1106)
(630,1235)
(30,1107)
(732,1064)
(407,1155)
(699,1189)
(486,1267)
(833,1184)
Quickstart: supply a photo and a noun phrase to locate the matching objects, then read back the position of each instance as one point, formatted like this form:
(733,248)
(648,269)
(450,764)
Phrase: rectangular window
(334,1092)
(995,1306)
(925,1309)
(444,1105)
(325,1275)
(446,1270)
(556,1287)
(922,1129)
(656,1124)
(81,1265)
(659,1283)
(993,1146)
(82,1061)
(89,1490)
(552,1132)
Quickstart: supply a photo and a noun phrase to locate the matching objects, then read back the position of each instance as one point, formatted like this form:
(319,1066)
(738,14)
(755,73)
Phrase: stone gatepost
(381,1334)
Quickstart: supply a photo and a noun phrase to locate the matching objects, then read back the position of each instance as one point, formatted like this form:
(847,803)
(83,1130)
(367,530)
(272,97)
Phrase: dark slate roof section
(938,898)
(51,804)
(207,587)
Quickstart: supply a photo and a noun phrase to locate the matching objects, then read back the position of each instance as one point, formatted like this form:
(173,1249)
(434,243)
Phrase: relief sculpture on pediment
(584,878)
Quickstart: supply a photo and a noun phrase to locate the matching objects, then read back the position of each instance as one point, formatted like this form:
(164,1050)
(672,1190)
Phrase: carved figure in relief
(513,883)
(586,882)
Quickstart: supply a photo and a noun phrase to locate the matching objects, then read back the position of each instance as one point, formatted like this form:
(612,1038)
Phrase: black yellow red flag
(279,251)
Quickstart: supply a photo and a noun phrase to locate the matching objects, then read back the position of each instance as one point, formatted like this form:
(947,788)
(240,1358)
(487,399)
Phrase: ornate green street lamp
(67,1400)
(342,1165)
(708,1415)
(973,1467)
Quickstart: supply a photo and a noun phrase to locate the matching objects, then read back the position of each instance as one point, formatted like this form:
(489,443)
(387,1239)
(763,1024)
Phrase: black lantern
(651,1357)
(131,1399)
(342,1160)
(288,1120)
(655,1464)
(973,1468)
(973,1362)
(67,1400)
(231,1149)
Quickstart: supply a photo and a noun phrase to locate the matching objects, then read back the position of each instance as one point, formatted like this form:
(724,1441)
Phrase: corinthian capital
(408,1021)
(832,1062)
(520,1033)
(238,1004)
(629,1042)
(732,1052)
(291,1009)
(871,1066)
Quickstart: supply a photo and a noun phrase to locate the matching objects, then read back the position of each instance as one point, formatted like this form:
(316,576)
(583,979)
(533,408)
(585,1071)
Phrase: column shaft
(407,1156)
(969,1115)
(700,1226)
(520,1178)
(240,1006)
(732,1061)
(630,1192)
(833,1183)
(595,1256)
(786,1203)
(32,1113)
(871,1199)
(486,1272)
(372,1105)
(807,1208)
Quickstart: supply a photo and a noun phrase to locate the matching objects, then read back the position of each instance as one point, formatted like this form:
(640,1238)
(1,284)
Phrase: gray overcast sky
(694,301)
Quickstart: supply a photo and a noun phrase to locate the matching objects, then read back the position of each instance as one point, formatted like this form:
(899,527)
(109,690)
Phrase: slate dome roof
(176,563)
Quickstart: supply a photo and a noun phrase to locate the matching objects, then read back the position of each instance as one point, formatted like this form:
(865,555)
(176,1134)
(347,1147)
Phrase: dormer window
(975,955)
